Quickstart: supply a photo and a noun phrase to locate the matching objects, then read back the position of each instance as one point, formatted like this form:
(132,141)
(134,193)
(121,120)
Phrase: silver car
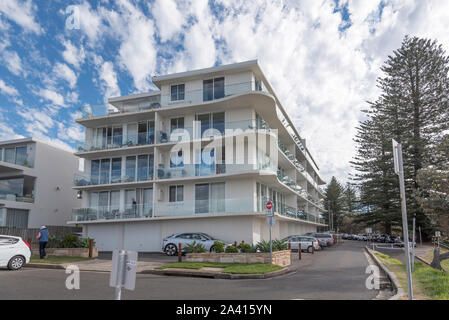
(305,241)
(170,244)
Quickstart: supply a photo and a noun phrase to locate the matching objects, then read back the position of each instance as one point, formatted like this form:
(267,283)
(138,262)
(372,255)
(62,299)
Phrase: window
(108,137)
(207,121)
(1,154)
(10,155)
(177,92)
(176,193)
(142,168)
(209,198)
(213,89)
(17,218)
(116,170)
(105,168)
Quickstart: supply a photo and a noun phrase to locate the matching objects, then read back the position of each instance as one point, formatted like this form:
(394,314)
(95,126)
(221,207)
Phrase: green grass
(56,259)
(234,268)
(428,283)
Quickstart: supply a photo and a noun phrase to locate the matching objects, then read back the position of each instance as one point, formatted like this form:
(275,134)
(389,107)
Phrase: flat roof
(14,141)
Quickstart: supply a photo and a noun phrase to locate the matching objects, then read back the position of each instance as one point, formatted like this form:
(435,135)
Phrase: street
(335,273)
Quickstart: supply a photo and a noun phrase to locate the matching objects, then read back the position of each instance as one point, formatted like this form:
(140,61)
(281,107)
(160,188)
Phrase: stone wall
(281,258)
(69,252)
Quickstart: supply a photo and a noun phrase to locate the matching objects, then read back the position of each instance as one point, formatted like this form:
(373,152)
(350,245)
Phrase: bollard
(299,251)
(243,241)
(235,244)
(313,249)
(91,246)
(180,252)
(289,246)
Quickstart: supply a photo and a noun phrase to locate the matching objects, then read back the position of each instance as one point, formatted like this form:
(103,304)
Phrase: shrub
(279,245)
(231,249)
(194,247)
(263,246)
(219,246)
(70,241)
(244,247)
(54,242)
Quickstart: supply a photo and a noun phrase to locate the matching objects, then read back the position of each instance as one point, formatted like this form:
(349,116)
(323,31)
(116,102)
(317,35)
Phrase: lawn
(428,283)
(234,268)
(56,259)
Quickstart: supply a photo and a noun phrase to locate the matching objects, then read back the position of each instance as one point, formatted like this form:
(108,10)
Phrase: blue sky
(321,56)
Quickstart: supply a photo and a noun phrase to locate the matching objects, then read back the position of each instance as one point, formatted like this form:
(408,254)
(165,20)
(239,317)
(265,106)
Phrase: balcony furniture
(163,137)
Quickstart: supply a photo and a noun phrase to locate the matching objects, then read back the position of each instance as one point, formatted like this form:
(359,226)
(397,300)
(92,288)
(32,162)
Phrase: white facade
(203,154)
(36,182)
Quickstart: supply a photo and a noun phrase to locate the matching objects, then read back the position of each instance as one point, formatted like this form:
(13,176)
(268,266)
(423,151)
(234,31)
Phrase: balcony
(202,170)
(100,110)
(120,141)
(13,197)
(211,93)
(85,179)
(139,211)
(208,206)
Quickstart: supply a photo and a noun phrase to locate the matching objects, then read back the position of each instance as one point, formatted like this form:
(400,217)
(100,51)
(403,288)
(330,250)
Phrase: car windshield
(324,235)
(206,236)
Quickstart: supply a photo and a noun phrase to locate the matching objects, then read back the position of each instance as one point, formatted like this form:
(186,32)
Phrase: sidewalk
(95,265)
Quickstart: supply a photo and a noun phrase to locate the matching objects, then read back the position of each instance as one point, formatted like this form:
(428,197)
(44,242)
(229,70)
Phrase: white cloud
(12,62)
(22,13)
(71,132)
(8,89)
(62,71)
(73,55)
(51,95)
(109,80)
(169,19)
(7,133)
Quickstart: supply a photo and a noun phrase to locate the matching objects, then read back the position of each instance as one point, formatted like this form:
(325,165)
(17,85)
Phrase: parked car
(14,252)
(305,241)
(170,244)
(325,239)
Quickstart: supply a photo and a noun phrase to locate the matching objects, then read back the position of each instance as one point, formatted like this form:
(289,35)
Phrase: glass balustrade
(16,198)
(138,211)
(85,179)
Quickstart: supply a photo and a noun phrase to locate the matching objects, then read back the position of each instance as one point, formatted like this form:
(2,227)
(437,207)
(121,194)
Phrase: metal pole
(420,238)
(404,221)
(413,246)
(271,242)
(121,262)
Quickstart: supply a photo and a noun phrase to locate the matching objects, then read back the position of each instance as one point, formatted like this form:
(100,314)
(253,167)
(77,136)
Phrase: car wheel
(16,263)
(212,249)
(170,249)
(309,249)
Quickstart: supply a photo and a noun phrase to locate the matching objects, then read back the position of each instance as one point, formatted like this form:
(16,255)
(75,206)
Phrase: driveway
(334,273)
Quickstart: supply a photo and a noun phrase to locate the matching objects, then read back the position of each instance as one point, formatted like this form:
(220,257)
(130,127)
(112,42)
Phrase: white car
(170,244)
(14,252)
(305,241)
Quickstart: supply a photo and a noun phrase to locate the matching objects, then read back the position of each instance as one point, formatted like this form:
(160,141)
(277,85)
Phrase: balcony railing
(139,211)
(120,141)
(85,179)
(207,206)
(198,132)
(13,197)
(211,94)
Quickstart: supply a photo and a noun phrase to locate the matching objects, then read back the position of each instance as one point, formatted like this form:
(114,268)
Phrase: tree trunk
(437,257)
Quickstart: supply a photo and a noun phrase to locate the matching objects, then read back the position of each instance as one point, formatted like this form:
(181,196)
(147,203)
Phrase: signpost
(399,170)
(123,273)
(413,246)
(271,221)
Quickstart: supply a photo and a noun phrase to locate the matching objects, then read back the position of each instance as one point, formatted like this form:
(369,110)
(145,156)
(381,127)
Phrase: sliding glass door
(210,198)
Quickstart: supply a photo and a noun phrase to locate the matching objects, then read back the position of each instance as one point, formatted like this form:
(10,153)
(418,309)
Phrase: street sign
(269,207)
(395,156)
(271,221)
(368,230)
(123,272)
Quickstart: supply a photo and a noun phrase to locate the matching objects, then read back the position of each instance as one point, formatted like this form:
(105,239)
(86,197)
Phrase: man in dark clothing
(43,239)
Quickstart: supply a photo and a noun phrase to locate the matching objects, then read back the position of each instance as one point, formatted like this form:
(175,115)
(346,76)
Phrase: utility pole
(399,170)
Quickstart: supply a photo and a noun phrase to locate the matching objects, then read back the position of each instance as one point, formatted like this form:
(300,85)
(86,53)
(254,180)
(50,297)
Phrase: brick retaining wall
(281,258)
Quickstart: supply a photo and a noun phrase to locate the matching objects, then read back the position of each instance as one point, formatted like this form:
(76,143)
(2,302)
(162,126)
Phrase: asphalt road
(335,273)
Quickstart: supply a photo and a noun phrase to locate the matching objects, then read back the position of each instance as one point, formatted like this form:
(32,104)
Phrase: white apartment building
(204,153)
(36,184)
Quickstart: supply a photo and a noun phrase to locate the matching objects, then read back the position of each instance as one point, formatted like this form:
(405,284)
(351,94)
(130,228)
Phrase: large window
(131,168)
(17,218)
(210,198)
(116,170)
(213,89)
(108,137)
(139,168)
(176,193)
(207,121)
(177,92)
(145,134)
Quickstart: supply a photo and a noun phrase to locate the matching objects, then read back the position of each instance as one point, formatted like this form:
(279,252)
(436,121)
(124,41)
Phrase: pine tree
(333,204)
(413,108)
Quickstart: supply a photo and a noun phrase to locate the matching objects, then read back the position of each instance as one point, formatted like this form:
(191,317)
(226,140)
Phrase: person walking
(43,239)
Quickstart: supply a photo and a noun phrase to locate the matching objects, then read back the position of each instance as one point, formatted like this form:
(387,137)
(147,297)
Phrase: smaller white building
(36,184)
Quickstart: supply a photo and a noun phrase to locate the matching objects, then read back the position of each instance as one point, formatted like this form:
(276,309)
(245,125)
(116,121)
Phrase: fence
(25,234)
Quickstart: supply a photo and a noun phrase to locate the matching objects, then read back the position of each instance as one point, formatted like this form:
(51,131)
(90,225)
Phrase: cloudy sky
(321,56)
